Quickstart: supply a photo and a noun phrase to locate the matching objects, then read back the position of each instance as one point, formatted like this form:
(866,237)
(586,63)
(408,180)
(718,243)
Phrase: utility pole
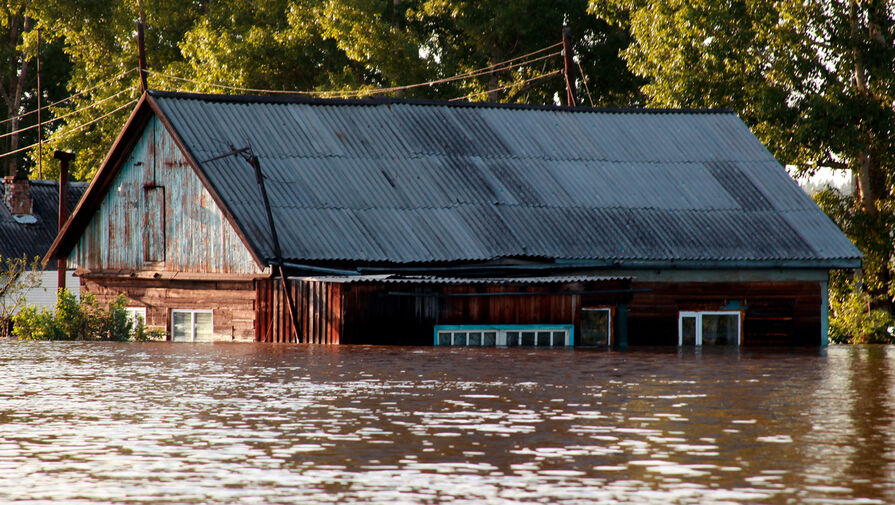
(40,137)
(568,66)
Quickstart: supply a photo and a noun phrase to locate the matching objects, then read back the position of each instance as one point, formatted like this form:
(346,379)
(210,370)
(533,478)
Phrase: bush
(79,320)
(853,321)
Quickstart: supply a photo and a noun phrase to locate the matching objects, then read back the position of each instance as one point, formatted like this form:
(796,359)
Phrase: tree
(17,277)
(407,41)
(813,79)
(99,39)
(333,46)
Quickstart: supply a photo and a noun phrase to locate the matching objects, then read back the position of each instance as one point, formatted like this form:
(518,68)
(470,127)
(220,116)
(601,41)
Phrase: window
(136,314)
(191,325)
(504,335)
(710,328)
(596,327)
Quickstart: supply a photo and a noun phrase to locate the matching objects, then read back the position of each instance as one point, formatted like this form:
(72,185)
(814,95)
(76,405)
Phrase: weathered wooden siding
(374,314)
(775,313)
(318,312)
(123,233)
(406,314)
(232,302)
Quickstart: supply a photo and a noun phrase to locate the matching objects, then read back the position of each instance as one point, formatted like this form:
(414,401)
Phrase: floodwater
(178,423)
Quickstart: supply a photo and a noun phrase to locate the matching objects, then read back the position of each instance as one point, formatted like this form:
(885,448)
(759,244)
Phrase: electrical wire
(586,87)
(63,134)
(458,77)
(502,66)
(51,121)
(107,81)
(364,92)
(526,81)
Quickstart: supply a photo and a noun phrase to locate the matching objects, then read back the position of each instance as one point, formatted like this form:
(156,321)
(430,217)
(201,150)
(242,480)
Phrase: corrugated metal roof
(34,239)
(407,182)
(391,279)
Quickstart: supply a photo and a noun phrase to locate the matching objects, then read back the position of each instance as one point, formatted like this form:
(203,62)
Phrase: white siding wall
(44,295)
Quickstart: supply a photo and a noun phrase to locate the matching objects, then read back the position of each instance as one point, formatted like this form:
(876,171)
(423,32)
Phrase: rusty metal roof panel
(406,182)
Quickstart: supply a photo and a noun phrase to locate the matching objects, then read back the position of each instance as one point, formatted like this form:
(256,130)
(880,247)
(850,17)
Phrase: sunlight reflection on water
(161,423)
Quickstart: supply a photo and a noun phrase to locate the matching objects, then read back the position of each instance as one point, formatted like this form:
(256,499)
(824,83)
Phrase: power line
(502,66)
(107,81)
(508,86)
(56,136)
(458,77)
(58,118)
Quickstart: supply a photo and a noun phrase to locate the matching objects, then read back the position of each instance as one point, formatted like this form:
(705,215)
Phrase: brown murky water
(162,423)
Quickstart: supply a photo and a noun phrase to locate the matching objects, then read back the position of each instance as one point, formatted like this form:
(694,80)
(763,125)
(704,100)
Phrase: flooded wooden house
(386,221)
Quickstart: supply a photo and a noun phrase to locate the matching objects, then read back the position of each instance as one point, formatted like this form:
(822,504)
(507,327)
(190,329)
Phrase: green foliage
(814,80)
(854,321)
(303,45)
(17,277)
(79,320)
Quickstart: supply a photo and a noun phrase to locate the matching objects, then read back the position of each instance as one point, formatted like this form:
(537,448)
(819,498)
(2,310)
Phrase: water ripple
(157,423)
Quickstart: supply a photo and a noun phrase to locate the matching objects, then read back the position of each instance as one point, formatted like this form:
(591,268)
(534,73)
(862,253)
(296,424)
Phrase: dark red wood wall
(231,301)
(775,312)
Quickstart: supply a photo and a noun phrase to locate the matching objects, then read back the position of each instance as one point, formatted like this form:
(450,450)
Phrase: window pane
(489,339)
(559,338)
(512,338)
(204,329)
(688,330)
(136,315)
(444,338)
(528,338)
(460,338)
(594,327)
(719,329)
(543,339)
(182,326)
(475,338)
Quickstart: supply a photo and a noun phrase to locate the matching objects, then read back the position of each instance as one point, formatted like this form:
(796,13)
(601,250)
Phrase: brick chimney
(18,195)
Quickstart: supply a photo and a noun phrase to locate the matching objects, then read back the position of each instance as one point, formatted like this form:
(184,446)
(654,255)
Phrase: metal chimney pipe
(64,159)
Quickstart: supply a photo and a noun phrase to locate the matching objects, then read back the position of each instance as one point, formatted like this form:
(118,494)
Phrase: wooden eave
(169,276)
(111,167)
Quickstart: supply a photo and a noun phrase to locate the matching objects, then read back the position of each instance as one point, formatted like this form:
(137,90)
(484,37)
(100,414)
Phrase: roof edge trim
(371,101)
(109,168)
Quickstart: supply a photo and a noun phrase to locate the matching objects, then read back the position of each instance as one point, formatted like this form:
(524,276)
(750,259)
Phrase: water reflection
(161,423)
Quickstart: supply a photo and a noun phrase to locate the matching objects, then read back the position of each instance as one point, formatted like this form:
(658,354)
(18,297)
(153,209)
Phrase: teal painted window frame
(502,327)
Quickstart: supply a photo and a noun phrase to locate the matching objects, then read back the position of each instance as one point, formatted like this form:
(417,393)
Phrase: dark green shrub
(854,321)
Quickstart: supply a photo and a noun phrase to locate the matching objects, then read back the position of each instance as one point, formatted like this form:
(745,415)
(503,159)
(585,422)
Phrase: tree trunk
(493,80)
(12,93)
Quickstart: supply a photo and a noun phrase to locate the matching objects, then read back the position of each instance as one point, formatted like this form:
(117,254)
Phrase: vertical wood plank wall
(197,236)
(318,307)
(371,313)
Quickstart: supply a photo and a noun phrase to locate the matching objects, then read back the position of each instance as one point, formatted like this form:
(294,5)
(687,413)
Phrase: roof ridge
(371,101)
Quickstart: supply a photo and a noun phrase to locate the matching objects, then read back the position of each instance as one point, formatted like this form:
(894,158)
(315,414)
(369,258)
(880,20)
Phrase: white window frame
(698,315)
(192,313)
(134,312)
(609,321)
(503,330)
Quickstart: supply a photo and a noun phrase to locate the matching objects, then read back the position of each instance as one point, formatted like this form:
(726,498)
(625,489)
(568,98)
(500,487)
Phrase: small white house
(29,220)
